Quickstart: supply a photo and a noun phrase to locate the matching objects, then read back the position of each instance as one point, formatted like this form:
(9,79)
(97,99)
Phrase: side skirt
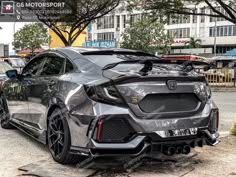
(37,134)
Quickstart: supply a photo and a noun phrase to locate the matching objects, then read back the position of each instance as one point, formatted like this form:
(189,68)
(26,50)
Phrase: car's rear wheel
(58,135)
(4,114)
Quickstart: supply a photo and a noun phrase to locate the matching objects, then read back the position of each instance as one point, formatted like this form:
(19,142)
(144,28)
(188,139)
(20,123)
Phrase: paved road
(226,101)
(19,150)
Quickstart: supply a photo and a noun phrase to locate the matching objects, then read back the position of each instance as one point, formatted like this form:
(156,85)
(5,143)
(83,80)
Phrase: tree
(68,26)
(165,8)
(146,35)
(31,37)
(193,43)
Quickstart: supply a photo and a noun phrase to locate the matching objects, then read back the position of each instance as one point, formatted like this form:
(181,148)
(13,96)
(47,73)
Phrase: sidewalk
(223,89)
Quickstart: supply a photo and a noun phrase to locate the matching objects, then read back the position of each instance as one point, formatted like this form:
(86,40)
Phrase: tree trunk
(69,43)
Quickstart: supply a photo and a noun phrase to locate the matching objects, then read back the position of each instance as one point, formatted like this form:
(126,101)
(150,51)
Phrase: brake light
(105,94)
(99,129)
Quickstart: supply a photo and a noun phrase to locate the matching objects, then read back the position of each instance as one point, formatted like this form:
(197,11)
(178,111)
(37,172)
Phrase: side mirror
(12,73)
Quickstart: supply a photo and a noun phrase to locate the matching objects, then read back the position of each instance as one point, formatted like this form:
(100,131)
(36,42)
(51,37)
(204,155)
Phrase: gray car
(3,68)
(16,63)
(110,103)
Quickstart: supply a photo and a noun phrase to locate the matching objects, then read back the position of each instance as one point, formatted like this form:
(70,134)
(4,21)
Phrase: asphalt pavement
(226,101)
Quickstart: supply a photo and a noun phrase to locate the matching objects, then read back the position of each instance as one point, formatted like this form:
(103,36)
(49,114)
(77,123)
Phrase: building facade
(4,50)
(107,31)
(56,42)
(212,31)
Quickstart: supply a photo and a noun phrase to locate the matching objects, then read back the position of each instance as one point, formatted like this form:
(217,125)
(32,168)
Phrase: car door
(16,91)
(43,86)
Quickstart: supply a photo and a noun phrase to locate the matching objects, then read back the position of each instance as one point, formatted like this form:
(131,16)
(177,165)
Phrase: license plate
(177,133)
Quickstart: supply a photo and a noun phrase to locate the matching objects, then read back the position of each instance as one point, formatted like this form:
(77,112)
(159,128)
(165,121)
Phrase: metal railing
(221,77)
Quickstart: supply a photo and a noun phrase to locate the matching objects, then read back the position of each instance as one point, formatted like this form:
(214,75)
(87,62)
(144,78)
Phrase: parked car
(3,68)
(16,63)
(110,102)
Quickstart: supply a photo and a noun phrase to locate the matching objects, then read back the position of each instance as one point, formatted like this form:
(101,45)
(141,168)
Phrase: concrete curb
(223,89)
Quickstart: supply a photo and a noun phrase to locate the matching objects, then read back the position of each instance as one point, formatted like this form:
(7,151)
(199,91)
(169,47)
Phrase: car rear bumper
(144,144)
(123,133)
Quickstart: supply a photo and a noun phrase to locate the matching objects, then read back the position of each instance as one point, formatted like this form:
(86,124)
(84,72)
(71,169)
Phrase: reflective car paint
(32,99)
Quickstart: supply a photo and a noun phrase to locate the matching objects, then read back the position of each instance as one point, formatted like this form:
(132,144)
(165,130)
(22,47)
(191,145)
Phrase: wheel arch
(54,105)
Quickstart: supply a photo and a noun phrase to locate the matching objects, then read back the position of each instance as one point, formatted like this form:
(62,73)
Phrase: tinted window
(17,62)
(84,65)
(33,66)
(53,66)
(7,61)
(69,66)
(102,60)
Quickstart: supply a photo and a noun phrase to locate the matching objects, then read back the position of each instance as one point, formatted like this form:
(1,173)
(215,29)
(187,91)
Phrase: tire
(4,114)
(59,141)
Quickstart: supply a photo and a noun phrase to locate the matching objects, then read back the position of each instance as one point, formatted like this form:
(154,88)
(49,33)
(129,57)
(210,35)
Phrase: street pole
(14,28)
(3,46)
(215,36)
(14,31)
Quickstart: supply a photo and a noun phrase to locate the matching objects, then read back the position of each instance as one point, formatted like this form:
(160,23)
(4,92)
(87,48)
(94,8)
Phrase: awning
(28,51)
(231,53)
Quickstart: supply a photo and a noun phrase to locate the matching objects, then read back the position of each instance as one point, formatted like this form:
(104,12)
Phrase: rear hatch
(152,87)
(163,89)
(163,96)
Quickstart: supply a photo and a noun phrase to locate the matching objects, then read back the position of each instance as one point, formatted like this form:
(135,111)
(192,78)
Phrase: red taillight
(99,130)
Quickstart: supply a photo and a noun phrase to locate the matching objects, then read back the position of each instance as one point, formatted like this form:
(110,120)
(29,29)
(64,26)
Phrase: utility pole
(215,36)
(14,31)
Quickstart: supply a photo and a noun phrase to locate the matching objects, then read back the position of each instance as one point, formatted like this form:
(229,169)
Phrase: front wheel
(4,114)
(58,135)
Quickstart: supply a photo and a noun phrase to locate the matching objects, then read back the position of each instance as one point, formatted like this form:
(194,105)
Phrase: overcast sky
(6,34)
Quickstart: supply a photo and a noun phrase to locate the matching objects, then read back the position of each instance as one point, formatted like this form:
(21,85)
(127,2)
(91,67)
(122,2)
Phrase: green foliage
(31,37)
(193,43)
(147,36)
(162,9)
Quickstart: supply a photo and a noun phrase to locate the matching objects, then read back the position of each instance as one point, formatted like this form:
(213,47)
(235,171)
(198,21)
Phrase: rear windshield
(17,62)
(103,60)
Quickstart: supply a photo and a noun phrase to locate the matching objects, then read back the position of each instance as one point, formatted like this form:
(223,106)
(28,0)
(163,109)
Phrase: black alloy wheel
(58,136)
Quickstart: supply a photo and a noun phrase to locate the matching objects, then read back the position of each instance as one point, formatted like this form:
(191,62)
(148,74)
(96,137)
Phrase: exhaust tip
(179,150)
(170,151)
(186,149)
